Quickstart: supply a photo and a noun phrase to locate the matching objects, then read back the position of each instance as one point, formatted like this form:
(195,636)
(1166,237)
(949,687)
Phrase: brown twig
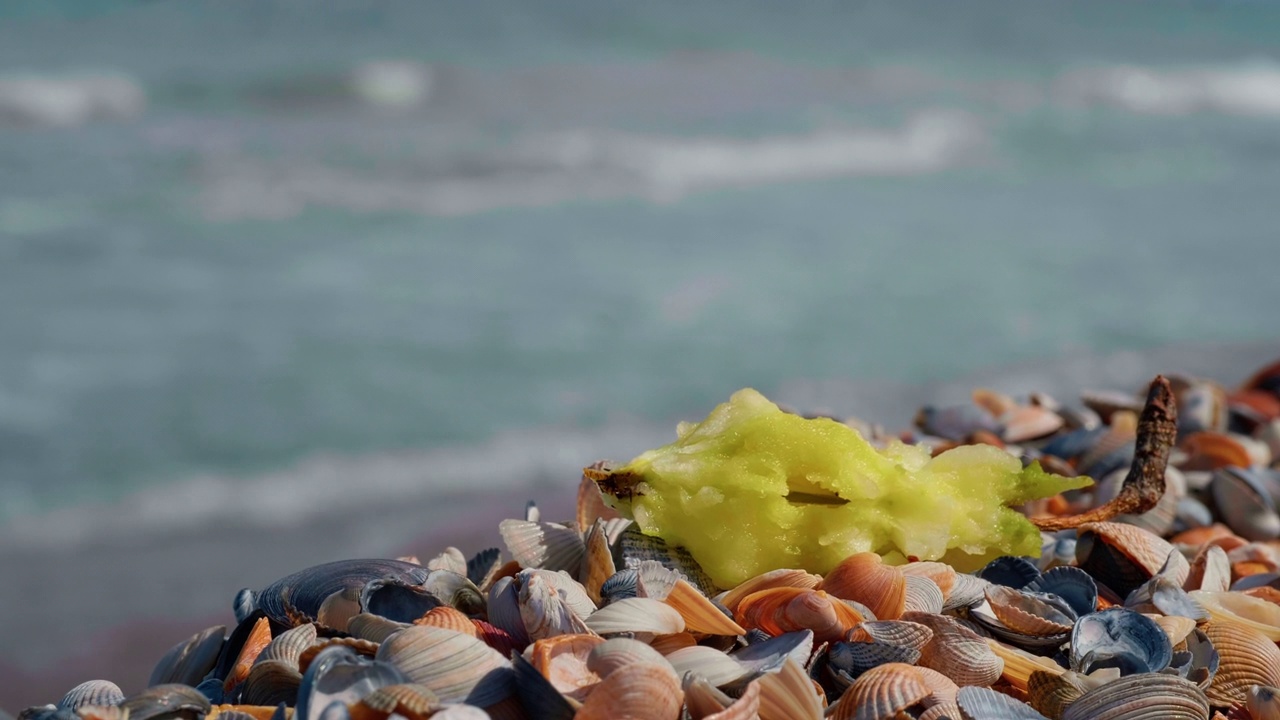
(1144,485)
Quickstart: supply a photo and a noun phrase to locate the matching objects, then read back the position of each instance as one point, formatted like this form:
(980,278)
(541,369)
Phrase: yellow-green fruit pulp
(753,488)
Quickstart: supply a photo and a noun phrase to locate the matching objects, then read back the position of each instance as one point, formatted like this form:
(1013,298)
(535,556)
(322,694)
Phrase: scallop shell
(923,595)
(634,547)
(636,615)
(616,653)
(1247,658)
(1019,664)
(985,703)
(942,574)
(956,651)
(1146,696)
(456,667)
(504,611)
(1175,627)
(789,694)
(408,700)
(98,693)
(966,591)
(1026,614)
(865,578)
(882,692)
(451,559)
(545,612)
(544,545)
(718,669)
(1051,694)
(289,645)
(781,610)
(272,682)
(772,579)
(1124,556)
(644,692)
(449,619)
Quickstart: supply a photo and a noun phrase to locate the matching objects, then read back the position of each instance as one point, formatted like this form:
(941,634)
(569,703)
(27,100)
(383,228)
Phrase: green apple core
(753,488)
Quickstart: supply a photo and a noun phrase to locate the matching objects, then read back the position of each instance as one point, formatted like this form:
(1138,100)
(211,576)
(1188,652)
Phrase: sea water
(327,250)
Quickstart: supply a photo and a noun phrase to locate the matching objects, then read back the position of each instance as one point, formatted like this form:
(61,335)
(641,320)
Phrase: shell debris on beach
(1155,593)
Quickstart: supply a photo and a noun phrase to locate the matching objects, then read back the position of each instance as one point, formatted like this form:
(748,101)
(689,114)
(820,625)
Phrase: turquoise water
(230,240)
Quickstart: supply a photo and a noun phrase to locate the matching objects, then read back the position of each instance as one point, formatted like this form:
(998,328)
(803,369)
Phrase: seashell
(259,638)
(1196,659)
(271,682)
(956,422)
(190,660)
(296,599)
(882,692)
(591,505)
(597,563)
(1209,450)
(462,712)
(543,610)
(879,642)
(900,633)
(545,545)
(623,584)
(289,645)
(98,693)
(1073,444)
(538,696)
(980,702)
(451,559)
(667,644)
(781,610)
(646,691)
(1025,613)
(718,669)
(1161,518)
(92,712)
(1251,612)
(768,656)
(1119,638)
(616,653)
(410,701)
(1263,703)
(1123,556)
(1202,405)
(788,694)
(1175,627)
(1161,595)
(1051,694)
(772,579)
(358,646)
(245,602)
(943,711)
(704,702)
(1265,592)
(1113,449)
(1057,549)
(636,615)
(1244,503)
(923,595)
(968,590)
(504,611)
(634,547)
(956,651)
(1247,658)
(241,712)
(565,586)
(863,577)
(1072,584)
(562,660)
(1209,571)
(483,568)
(1029,422)
(495,637)
(700,614)
(1135,697)
(450,588)
(166,699)
(1020,664)
(448,618)
(456,667)
(654,580)
(942,575)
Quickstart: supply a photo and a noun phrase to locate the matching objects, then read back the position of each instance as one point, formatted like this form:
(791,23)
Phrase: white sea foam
(69,100)
(549,168)
(1248,89)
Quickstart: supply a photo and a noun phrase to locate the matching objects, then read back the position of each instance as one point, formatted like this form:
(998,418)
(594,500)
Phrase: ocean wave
(69,100)
(549,168)
(1248,89)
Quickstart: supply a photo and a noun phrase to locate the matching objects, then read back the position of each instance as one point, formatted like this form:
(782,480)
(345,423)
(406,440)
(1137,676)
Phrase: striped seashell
(98,693)
(616,653)
(863,577)
(451,559)
(597,564)
(504,611)
(781,610)
(1145,696)
(1019,664)
(496,638)
(882,692)
(772,579)
(943,711)
(1052,694)
(272,682)
(456,667)
(646,691)
(942,574)
(544,545)
(1254,613)
(408,700)
(289,645)
(367,626)
(704,702)
(985,703)
(259,638)
(636,615)
(956,651)
(923,595)
(634,547)
(789,694)
(966,591)
(449,619)
(544,611)
(1247,658)
(667,644)
(718,669)
(1176,627)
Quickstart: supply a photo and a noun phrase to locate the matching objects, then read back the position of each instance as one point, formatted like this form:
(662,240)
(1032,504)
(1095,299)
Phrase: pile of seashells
(1170,614)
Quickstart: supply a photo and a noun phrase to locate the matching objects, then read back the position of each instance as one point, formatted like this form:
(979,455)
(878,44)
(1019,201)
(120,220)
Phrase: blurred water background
(325,250)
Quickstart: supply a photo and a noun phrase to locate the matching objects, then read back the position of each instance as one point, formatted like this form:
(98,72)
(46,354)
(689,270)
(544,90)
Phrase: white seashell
(636,615)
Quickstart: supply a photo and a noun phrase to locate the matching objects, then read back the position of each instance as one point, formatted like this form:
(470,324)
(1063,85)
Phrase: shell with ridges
(544,611)
(882,692)
(616,653)
(942,574)
(704,702)
(597,563)
(923,595)
(1124,556)
(1252,612)
(1146,696)
(646,691)
(784,577)
(1019,664)
(289,645)
(718,669)
(98,693)
(956,651)
(985,703)
(456,667)
(636,615)
(562,660)
(700,614)
(448,618)
(789,694)
(1247,658)
(1210,570)
(780,610)
(865,578)
(545,545)
(272,682)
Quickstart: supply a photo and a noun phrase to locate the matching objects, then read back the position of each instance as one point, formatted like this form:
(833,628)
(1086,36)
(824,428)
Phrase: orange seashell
(414,702)
(1125,556)
(450,619)
(942,574)
(562,660)
(1249,567)
(1262,403)
(866,579)
(984,437)
(1266,592)
(259,638)
(646,691)
(1229,542)
(700,614)
(784,577)
(1210,570)
(1209,450)
(781,610)
(1195,537)
(1247,658)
